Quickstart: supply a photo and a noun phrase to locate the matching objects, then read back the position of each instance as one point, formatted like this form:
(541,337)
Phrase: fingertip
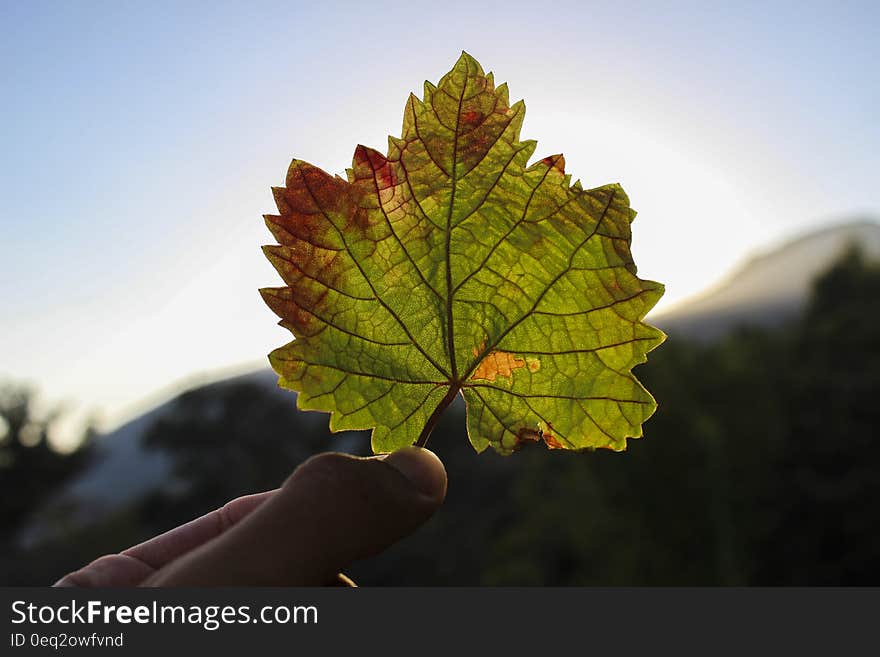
(422,468)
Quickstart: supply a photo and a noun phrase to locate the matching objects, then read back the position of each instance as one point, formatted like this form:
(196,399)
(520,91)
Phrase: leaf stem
(435,416)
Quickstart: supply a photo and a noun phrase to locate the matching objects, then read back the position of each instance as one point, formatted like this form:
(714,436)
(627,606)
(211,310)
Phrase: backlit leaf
(452,266)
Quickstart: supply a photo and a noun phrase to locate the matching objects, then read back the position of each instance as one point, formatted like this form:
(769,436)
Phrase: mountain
(123,469)
(769,288)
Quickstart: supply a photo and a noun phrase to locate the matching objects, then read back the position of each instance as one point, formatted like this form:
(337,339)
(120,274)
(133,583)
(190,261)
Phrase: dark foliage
(31,470)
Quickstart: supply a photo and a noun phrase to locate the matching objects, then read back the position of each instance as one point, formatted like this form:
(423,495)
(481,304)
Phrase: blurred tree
(827,481)
(30,468)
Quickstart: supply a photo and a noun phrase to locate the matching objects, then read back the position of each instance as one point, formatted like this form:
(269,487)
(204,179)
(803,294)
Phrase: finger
(333,510)
(132,566)
(169,546)
(109,570)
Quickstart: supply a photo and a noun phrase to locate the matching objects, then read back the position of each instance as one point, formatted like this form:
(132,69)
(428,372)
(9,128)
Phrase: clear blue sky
(140,140)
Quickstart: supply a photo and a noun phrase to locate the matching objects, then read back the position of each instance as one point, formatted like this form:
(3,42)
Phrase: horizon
(146,140)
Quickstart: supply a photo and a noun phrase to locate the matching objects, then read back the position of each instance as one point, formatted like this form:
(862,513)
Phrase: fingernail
(423,469)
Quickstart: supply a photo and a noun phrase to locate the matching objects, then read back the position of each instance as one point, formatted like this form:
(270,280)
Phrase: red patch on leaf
(471,117)
(294,317)
(555,161)
(375,165)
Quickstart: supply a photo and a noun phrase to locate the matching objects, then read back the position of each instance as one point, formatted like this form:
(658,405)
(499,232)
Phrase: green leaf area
(451,266)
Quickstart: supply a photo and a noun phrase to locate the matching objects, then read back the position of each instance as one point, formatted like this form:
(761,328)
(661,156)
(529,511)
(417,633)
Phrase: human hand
(333,509)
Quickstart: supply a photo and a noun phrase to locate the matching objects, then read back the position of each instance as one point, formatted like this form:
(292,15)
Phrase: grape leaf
(452,266)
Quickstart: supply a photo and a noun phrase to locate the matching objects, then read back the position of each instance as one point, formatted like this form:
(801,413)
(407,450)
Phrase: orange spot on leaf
(528,435)
(497,363)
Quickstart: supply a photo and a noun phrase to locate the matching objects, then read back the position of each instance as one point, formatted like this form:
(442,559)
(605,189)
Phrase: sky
(139,142)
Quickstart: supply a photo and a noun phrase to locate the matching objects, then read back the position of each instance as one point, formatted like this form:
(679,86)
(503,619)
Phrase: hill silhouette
(770,288)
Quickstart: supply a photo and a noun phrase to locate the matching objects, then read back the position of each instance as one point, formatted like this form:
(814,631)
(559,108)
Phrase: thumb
(332,510)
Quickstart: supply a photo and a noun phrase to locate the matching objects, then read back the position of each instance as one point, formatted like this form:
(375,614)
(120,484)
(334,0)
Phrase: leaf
(452,266)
